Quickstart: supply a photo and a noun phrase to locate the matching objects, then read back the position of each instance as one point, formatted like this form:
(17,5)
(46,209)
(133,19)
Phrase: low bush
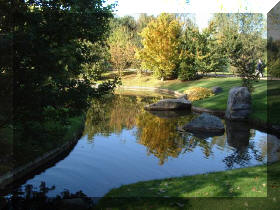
(197,93)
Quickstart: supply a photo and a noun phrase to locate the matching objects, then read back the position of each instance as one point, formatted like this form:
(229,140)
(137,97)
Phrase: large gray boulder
(238,104)
(170,104)
(205,123)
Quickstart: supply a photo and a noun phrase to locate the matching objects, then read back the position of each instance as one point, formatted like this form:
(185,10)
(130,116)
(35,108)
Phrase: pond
(122,144)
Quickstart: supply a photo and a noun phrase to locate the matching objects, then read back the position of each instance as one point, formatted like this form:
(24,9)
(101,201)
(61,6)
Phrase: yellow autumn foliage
(197,93)
(161,46)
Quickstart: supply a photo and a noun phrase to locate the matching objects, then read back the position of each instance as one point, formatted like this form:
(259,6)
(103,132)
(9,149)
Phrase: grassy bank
(246,182)
(17,153)
(235,189)
(216,102)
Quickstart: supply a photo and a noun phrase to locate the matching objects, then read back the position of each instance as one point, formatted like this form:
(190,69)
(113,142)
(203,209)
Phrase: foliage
(98,60)
(143,21)
(241,36)
(50,57)
(188,68)
(187,72)
(243,57)
(123,43)
(161,46)
(200,52)
(198,93)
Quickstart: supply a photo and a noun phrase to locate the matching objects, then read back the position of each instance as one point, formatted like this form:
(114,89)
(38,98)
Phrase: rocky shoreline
(260,125)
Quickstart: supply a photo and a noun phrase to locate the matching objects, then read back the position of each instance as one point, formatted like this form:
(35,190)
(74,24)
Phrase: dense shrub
(197,93)
(187,72)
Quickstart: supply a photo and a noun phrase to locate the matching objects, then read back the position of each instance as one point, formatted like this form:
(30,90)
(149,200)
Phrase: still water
(122,144)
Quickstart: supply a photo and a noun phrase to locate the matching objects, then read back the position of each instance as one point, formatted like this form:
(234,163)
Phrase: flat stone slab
(205,123)
(170,104)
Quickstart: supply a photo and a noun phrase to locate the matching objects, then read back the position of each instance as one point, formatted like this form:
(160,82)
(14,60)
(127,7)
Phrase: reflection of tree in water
(29,198)
(193,141)
(112,114)
(160,136)
(97,117)
(242,156)
(238,136)
(124,111)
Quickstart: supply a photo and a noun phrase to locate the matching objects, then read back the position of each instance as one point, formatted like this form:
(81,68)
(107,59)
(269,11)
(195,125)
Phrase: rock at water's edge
(205,123)
(170,104)
(238,104)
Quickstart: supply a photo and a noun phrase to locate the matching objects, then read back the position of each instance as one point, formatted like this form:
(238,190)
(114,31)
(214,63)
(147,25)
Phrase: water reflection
(157,131)
(238,137)
(124,144)
(160,136)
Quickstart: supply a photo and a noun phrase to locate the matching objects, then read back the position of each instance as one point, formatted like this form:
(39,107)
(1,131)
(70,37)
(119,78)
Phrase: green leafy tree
(123,41)
(99,60)
(210,56)
(122,49)
(242,37)
(48,58)
(188,68)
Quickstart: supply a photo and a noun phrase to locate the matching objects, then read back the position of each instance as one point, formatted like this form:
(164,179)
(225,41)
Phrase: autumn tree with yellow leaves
(161,46)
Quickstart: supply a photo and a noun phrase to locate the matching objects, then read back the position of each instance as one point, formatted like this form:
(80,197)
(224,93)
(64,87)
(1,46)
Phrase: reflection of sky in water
(127,155)
(111,161)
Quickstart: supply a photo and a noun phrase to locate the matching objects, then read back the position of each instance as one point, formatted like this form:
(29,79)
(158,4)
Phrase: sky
(201,8)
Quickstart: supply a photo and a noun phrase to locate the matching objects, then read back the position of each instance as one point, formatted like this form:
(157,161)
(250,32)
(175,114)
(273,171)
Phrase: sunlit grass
(248,188)
(246,182)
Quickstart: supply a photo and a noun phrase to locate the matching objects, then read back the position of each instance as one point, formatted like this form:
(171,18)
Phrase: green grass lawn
(216,102)
(246,182)
(232,189)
